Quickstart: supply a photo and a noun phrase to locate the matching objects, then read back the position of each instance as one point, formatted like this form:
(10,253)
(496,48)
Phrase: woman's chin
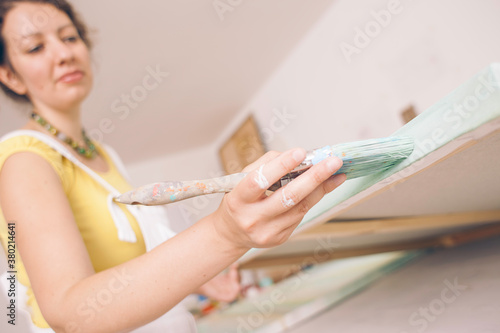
(68,102)
(74,96)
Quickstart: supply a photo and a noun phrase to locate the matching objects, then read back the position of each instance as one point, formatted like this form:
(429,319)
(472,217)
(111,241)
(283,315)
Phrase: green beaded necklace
(89,153)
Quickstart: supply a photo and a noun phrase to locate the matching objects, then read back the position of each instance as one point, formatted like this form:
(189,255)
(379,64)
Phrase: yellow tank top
(88,200)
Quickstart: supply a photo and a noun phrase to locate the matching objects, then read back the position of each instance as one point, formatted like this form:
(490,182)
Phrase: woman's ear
(12,80)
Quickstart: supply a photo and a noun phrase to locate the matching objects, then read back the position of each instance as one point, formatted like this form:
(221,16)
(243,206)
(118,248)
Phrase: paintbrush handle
(359,159)
(172,191)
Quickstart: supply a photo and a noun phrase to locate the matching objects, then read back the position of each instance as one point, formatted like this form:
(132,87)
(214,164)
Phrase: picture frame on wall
(242,148)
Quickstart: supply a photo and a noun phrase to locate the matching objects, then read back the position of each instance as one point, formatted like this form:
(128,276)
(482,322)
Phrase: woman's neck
(67,122)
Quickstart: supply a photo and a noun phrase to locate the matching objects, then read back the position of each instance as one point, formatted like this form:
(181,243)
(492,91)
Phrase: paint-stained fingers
(292,218)
(254,185)
(313,180)
(312,199)
(289,220)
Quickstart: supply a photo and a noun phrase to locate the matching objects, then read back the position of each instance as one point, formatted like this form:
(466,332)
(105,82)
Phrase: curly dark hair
(62,5)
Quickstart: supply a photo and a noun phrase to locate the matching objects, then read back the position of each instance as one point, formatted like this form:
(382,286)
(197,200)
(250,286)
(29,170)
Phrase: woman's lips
(71,77)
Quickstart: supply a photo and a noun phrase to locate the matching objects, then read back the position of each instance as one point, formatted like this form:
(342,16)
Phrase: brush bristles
(370,156)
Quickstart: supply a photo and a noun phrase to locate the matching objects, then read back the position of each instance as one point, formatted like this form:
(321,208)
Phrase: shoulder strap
(116,161)
(125,231)
(56,145)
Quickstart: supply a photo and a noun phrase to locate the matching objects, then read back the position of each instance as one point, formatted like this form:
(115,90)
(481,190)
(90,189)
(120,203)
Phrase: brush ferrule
(306,163)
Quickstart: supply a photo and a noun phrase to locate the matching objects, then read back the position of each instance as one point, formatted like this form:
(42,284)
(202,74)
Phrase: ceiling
(216,60)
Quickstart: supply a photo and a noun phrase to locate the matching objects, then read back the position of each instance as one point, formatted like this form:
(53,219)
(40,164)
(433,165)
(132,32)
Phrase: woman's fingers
(270,155)
(313,198)
(313,180)
(252,187)
(262,221)
(289,220)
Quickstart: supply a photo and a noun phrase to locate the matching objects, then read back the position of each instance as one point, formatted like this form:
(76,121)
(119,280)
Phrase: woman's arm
(71,295)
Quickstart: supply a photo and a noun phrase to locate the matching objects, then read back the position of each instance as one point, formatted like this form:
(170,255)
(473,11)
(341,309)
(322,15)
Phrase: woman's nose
(62,52)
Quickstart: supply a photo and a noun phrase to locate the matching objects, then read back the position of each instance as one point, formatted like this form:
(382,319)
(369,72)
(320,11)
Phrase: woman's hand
(248,218)
(224,287)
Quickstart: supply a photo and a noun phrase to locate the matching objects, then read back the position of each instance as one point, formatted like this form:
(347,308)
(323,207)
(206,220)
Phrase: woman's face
(51,63)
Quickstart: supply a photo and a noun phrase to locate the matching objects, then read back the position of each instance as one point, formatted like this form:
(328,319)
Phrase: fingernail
(333,164)
(299,155)
(340,179)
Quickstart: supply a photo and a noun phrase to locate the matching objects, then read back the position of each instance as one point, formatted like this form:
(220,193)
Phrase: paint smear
(156,188)
(321,154)
(260,179)
(286,201)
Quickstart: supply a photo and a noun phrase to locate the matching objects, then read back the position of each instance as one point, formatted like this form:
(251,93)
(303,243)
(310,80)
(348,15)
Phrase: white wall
(425,50)
(193,164)
(320,96)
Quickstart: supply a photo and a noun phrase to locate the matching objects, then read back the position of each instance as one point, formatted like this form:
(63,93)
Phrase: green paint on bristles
(362,158)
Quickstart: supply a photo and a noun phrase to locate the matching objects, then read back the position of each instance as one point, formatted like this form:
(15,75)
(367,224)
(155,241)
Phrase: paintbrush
(360,158)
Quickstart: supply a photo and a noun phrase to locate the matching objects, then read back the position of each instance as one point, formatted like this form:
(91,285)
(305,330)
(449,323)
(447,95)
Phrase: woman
(82,277)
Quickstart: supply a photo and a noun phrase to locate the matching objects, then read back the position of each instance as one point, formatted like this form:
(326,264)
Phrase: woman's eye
(71,39)
(35,49)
